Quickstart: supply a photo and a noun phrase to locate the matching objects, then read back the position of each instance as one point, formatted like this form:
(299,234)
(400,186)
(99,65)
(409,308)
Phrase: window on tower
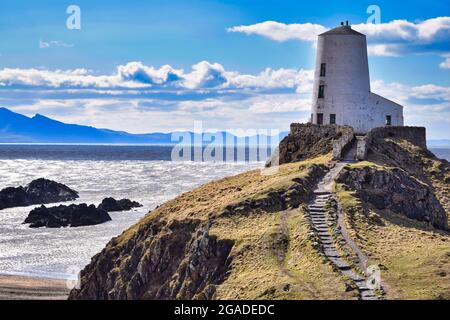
(388,120)
(323,69)
(332,118)
(321,91)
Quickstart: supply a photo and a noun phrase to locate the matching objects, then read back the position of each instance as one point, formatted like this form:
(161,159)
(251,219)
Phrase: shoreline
(18,287)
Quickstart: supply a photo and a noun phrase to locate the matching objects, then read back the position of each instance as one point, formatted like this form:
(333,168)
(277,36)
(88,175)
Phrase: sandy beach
(32,288)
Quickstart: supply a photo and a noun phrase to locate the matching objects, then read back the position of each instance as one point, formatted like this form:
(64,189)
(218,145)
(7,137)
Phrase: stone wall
(414,135)
(340,145)
(307,141)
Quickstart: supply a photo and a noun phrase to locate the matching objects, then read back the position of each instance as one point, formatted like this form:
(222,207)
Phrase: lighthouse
(341,92)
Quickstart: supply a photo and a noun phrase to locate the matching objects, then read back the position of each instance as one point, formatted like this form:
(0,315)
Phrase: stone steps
(318,215)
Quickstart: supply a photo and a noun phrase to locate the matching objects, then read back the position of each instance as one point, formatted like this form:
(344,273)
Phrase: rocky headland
(308,231)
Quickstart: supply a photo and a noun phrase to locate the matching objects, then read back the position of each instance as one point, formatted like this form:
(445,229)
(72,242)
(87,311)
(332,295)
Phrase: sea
(147,174)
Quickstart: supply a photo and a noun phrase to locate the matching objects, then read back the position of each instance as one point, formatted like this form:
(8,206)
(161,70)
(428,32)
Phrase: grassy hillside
(272,256)
(248,236)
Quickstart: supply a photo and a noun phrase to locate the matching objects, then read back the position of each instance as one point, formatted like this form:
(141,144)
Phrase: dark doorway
(320,118)
(332,118)
(388,120)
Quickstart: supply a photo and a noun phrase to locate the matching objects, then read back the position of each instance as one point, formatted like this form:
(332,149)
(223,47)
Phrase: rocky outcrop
(75,215)
(111,205)
(417,161)
(308,141)
(396,190)
(40,191)
(162,260)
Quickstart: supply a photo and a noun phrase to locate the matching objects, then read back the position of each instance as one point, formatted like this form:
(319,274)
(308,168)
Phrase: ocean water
(442,153)
(96,172)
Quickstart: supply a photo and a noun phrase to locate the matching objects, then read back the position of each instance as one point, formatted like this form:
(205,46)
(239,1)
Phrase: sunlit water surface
(60,252)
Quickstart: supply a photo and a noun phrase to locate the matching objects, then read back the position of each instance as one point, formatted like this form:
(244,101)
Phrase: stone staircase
(318,217)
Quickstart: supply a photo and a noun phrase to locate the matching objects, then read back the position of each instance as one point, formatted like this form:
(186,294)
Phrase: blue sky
(109,73)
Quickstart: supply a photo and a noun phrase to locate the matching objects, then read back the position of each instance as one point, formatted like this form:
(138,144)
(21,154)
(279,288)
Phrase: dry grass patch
(274,259)
(414,257)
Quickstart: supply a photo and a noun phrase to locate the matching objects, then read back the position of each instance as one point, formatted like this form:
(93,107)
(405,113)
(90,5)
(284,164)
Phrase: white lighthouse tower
(341,93)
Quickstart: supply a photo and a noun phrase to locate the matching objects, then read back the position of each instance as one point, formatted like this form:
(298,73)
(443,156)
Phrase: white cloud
(395,30)
(281,31)
(384,50)
(300,80)
(54,43)
(137,76)
(206,75)
(446,63)
(402,93)
(138,72)
(392,38)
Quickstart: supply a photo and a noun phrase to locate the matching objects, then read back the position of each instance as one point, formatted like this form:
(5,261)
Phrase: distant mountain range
(17,128)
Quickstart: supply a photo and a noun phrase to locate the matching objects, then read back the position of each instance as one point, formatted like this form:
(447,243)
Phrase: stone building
(341,93)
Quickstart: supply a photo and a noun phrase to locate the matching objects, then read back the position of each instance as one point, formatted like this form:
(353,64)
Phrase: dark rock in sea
(74,215)
(111,204)
(38,191)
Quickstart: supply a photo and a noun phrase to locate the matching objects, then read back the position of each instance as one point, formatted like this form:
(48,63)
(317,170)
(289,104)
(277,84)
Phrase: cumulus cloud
(138,72)
(427,30)
(392,38)
(206,75)
(137,76)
